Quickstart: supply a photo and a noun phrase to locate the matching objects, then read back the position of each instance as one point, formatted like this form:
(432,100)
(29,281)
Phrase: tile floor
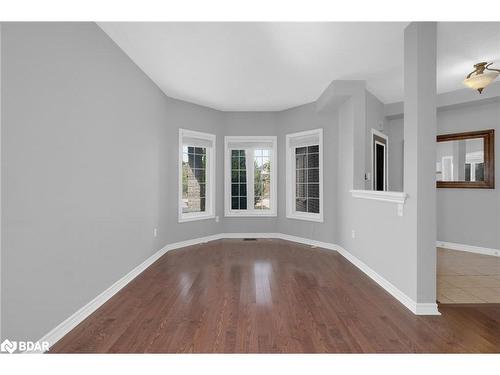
(464,277)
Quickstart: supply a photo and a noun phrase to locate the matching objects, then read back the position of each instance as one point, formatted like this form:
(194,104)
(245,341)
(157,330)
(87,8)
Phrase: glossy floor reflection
(271,296)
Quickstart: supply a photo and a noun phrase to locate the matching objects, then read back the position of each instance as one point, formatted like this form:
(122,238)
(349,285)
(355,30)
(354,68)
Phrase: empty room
(250,187)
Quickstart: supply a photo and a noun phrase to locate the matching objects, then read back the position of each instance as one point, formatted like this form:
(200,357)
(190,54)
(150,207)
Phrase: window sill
(250,214)
(384,196)
(186,219)
(316,218)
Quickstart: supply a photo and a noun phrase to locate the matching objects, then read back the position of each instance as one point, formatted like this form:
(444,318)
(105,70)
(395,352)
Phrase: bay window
(250,176)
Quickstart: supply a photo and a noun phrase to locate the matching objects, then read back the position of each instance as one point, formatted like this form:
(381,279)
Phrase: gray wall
(88,146)
(394,130)
(470,216)
(464,216)
(379,234)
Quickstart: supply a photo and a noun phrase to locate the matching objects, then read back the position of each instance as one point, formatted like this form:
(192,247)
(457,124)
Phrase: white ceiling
(274,66)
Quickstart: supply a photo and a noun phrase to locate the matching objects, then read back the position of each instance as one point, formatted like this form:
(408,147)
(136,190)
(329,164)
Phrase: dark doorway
(380,166)
(379,161)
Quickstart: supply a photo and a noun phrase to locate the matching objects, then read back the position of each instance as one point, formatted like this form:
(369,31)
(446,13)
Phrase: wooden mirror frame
(489,160)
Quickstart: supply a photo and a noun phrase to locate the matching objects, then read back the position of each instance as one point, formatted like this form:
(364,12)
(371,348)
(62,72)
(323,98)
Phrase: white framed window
(304,175)
(196,175)
(250,168)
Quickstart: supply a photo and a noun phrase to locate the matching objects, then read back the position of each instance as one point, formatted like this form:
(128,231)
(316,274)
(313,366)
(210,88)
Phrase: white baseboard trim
(426,309)
(67,325)
(248,235)
(468,248)
(308,241)
(410,304)
(281,236)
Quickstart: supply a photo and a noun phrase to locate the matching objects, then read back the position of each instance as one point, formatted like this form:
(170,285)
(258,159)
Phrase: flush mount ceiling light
(481,77)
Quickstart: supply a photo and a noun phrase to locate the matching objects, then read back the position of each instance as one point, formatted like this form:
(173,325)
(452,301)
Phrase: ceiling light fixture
(481,77)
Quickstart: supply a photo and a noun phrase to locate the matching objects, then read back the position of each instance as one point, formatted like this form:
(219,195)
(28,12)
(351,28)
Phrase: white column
(420,154)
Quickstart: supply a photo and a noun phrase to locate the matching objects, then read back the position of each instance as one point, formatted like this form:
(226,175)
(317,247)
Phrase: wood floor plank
(271,296)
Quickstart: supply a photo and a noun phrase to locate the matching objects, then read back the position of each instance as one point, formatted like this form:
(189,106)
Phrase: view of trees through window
(238,180)
(262,179)
(194,161)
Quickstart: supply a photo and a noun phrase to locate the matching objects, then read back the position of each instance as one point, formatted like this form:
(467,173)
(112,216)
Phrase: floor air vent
(249,239)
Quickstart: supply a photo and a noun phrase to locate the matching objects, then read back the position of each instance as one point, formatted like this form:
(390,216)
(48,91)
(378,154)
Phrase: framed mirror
(466,160)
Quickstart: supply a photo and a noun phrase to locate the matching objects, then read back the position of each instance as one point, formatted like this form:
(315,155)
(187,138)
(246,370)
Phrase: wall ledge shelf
(384,196)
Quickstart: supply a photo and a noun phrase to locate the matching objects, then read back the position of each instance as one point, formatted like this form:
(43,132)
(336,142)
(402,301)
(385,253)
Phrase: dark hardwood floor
(271,296)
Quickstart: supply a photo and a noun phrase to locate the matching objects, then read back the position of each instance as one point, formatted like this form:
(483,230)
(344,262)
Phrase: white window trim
(210,183)
(291,213)
(386,158)
(250,211)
